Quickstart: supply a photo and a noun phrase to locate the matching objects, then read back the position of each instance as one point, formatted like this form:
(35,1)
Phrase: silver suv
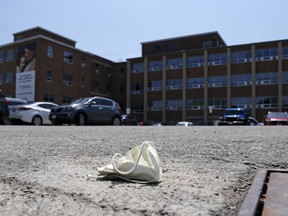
(90,110)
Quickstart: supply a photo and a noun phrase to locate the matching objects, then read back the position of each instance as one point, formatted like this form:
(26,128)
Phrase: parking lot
(207,170)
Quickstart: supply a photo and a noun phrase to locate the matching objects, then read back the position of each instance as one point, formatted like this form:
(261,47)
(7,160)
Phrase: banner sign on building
(26,75)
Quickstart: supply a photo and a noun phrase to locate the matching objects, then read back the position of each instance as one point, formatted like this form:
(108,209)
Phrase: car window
(106,102)
(46,106)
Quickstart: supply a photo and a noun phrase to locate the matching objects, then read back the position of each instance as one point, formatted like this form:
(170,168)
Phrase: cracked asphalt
(207,170)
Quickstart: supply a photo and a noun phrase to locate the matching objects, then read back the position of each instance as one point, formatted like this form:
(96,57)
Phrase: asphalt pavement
(207,170)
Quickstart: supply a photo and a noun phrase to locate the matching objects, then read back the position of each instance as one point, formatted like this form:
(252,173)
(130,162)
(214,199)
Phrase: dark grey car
(90,110)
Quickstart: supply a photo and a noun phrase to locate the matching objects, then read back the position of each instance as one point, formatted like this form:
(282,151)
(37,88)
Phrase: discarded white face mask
(141,164)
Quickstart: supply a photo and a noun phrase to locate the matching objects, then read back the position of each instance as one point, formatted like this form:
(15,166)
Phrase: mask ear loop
(136,163)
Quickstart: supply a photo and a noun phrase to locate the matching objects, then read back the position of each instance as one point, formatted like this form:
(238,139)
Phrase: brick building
(191,78)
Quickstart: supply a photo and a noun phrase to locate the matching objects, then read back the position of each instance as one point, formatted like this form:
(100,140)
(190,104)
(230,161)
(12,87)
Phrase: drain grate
(268,195)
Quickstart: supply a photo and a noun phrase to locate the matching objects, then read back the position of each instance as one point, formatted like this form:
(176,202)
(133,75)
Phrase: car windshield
(234,112)
(80,100)
(277,115)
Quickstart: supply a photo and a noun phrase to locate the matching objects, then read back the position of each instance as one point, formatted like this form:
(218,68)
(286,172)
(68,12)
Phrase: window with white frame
(155,66)
(48,97)
(68,57)
(217,81)
(83,61)
(173,84)
(67,79)
(1,56)
(241,79)
(50,51)
(217,103)
(195,103)
(266,101)
(241,102)
(266,78)
(82,83)
(195,61)
(49,76)
(155,85)
(285,52)
(137,88)
(155,105)
(266,54)
(217,59)
(10,55)
(137,68)
(174,63)
(195,82)
(9,78)
(241,57)
(174,104)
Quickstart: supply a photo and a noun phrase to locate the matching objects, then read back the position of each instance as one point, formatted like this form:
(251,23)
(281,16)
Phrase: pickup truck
(234,116)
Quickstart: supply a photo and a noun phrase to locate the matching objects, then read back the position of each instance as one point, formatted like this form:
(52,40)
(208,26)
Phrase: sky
(115,29)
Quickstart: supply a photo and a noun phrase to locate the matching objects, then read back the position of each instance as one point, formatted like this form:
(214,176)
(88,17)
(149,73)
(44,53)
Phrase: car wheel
(81,119)
(37,120)
(116,121)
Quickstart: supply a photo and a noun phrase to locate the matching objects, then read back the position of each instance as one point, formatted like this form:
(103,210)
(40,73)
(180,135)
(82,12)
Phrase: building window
(266,78)
(195,104)
(83,62)
(195,82)
(155,66)
(285,77)
(217,81)
(155,85)
(241,57)
(266,54)
(1,56)
(195,61)
(10,55)
(155,105)
(122,71)
(9,78)
(67,79)
(217,103)
(285,53)
(68,57)
(241,102)
(174,64)
(49,76)
(207,44)
(137,88)
(50,51)
(174,104)
(137,107)
(138,68)
(217,59)
(241,79)
(48,97)
(66,100)
(174,84)
(285,102)
(83,83)
(266,102)
(1,78)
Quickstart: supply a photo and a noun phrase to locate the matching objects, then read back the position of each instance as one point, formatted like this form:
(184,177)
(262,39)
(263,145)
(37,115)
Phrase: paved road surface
(206,170)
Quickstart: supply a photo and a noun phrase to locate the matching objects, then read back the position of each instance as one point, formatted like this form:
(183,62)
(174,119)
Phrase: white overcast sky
(114,29)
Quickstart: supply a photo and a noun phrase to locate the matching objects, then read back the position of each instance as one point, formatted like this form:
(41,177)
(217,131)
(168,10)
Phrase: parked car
(89,110)
(35,113)
(234,116)
(13,114)
(4,110)
(129,120)
(184,123)
(276,118)
(254,122)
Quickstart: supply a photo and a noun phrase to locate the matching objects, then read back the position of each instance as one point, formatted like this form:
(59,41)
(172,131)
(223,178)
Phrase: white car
(184,123)
(36,113)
